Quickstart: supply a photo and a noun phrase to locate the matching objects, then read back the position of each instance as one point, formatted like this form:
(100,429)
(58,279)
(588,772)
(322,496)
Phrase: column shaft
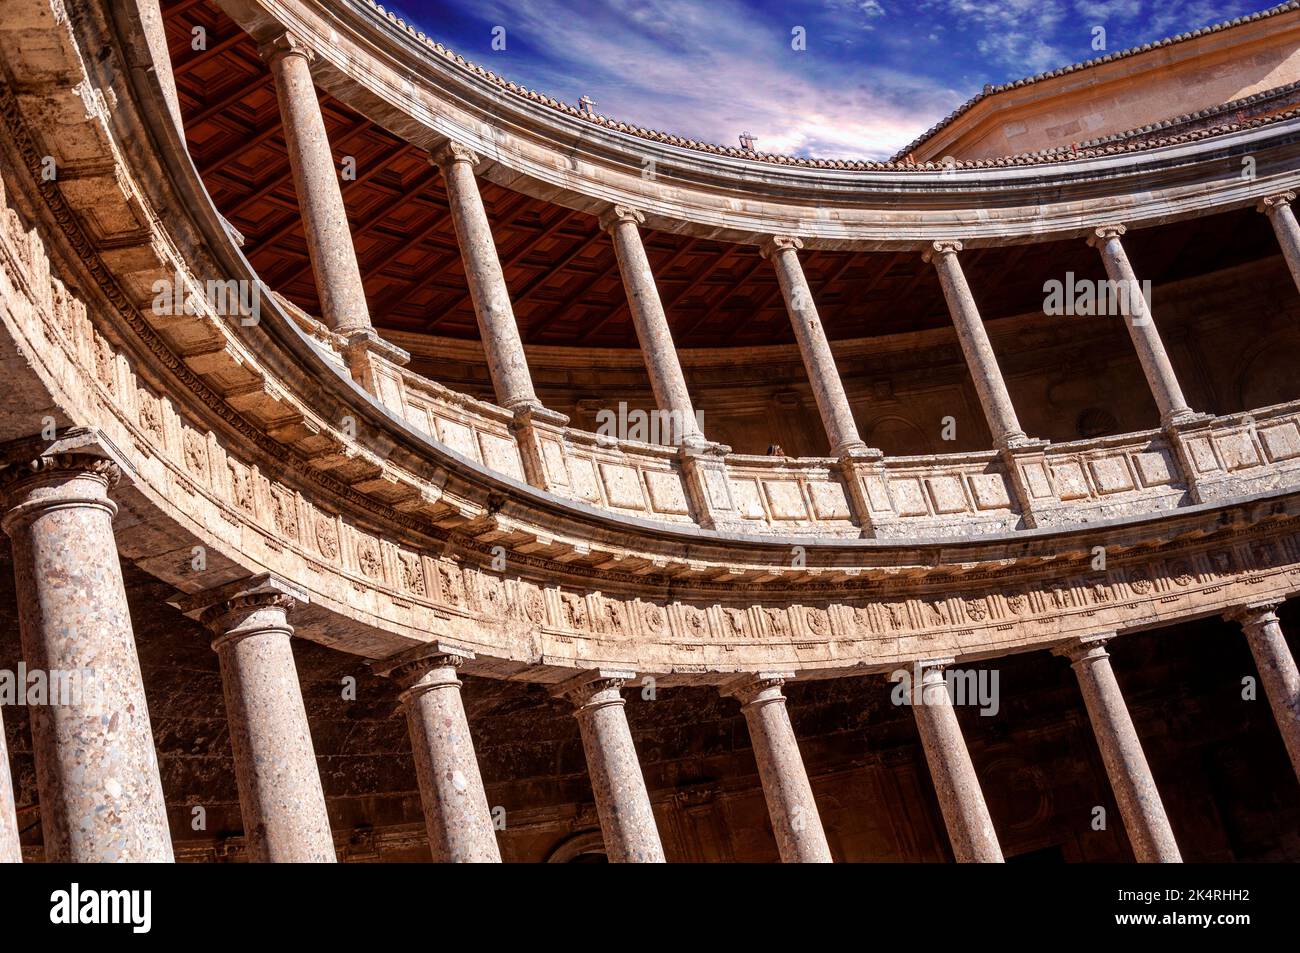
(315,179)
(1278,672)
(819,362)
(983,363)
(280,795)
(10,850)
(502,345)
(795,820)
(666,378)
(1282,216)
(456,811)
(1142,329)
(970,828)
(626,819)
(1130,776)
(96,768)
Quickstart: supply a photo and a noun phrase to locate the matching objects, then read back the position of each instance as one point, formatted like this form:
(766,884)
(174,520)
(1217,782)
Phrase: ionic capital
(1104,233)
(1272,203)
(1255,614)
(1086,648)
(595,689)
(943,247)
(780,243)
(284,44)
(452,151)
(619,214)
(759,687)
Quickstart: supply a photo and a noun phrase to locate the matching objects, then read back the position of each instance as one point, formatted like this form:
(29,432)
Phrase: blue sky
(873,75)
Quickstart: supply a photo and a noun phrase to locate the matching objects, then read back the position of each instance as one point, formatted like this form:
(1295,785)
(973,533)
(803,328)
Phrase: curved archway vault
(306,488)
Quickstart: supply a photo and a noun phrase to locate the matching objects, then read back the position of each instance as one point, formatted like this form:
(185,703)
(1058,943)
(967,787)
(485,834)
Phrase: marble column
(795,819)
(657,348)
(316,181)
(1277,670)
(280,795)
(1282,216)
(456,812)
(487,282)
(818,361)
(983,363)
(1135,790)
(970,828)
(622,803)
(101,797)
(10,850)
(1159,371)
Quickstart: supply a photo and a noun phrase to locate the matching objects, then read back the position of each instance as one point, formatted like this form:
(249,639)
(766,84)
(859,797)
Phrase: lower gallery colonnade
(341,534)
(72,607)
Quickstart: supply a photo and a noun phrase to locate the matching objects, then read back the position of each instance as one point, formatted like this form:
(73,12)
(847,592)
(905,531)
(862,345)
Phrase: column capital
(1271,203)
(946,246)
(1104,233)
(756,687)
(282,44)
(1089,648)
(224,610)
(779,243)
(452,151)
(594,689)
(30,463)
(428,666)
(618,214)
(1255,613)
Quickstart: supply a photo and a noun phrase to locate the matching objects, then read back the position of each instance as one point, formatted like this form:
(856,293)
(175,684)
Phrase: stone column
(316,182)
(1135,790)
(622,802)
(983,363)
(819,362)
(11,851)
(1279,212)
(1277,670)
(1141,326)
(487,282)
(970,828)
(456,811)
(665,370)
(96,768)
(280,796)
(795,820)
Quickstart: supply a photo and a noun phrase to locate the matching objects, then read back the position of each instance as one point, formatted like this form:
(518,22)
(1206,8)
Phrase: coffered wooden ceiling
(560,268)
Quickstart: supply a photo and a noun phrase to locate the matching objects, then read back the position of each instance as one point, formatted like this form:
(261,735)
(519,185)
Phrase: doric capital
(619,214)
(232,611)
(779,243)
(33,462)
(284,44)
(594,689)
(940,248)
(452,151)
(1255,613)
(1104,233)
(1272,203)
(408,667)
(1085,648)
(757,687)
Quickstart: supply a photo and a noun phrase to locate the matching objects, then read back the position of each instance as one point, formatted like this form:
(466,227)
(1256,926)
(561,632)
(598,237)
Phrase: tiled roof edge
(1098,147)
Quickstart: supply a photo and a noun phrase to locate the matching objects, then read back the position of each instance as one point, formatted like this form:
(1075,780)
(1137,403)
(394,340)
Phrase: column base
(539,432)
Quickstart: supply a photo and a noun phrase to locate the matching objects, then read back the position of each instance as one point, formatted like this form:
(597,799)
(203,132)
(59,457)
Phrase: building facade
(401,464)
